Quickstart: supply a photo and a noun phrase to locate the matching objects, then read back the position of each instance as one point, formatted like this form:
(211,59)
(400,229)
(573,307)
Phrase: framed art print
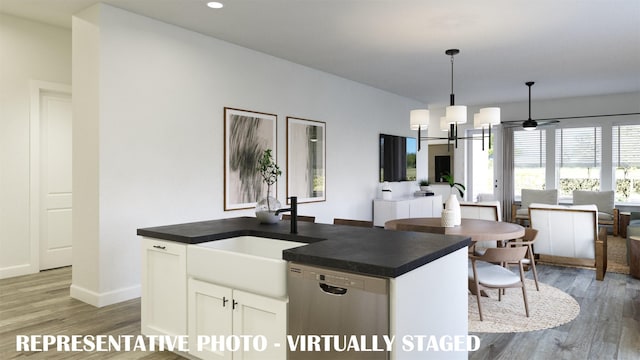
(306,159)
(247,134)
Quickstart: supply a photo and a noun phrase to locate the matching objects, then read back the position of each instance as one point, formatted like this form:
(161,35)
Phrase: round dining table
(476,229)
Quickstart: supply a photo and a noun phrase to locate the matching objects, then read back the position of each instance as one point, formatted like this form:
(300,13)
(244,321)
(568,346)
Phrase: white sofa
(569,235)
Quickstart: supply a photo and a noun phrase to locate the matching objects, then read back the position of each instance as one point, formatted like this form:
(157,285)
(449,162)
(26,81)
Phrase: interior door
(55,180)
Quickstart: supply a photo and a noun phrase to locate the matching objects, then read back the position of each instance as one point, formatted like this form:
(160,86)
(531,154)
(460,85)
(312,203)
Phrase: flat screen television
(397,158)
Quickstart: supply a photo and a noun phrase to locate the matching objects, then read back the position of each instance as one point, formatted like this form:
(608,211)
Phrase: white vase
(447,218)
(453,204)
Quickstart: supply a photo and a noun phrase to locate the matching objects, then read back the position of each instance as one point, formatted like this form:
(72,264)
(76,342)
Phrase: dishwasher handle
(333,290)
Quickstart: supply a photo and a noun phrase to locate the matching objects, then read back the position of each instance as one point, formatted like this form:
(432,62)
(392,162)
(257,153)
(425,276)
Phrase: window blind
(579,147)
(626,146)
(529,148)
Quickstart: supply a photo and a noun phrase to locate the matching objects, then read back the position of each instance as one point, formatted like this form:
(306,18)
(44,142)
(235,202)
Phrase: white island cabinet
(183,294)
(407,207)
(164,288)
(219,315)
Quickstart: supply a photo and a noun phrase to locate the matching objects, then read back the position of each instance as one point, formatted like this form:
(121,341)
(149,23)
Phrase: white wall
(87,246)
(158,154)
(28,51)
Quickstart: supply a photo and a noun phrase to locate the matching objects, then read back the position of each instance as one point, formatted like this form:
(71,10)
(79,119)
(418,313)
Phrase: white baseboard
(104,299)
(17,270)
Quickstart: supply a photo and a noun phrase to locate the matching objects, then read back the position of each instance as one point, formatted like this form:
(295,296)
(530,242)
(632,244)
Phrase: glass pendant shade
(456,114)
(419,119)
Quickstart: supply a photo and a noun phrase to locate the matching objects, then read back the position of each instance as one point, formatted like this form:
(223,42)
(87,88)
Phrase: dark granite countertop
(370,251)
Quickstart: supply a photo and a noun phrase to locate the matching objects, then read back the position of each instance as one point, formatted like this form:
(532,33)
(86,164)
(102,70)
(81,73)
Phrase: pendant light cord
(530,102)
(452,96)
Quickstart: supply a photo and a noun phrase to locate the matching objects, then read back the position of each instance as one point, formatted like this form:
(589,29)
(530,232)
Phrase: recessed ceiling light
(215,5)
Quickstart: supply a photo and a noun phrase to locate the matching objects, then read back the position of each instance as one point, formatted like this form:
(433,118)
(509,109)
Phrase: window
(626,162)
(578,159)
(529,160)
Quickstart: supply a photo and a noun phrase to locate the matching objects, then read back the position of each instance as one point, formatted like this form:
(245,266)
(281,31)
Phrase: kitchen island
(427,275)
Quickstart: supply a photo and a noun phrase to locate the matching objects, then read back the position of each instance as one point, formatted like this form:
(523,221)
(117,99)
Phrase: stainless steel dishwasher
(329,302)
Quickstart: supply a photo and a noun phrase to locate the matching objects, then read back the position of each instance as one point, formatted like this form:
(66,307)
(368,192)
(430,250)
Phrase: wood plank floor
(608,326)
(40,304)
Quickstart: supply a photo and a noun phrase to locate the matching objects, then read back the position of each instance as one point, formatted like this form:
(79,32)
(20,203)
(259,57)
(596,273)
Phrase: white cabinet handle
(160,247)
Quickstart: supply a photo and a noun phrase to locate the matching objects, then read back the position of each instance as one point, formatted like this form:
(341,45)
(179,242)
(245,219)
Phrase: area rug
(548,308)
(617,255)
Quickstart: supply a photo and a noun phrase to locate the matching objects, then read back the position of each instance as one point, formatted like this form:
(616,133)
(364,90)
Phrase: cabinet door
(210,314)
(385,210)
(420,207)
(164,288)
(258,315)
(426,206)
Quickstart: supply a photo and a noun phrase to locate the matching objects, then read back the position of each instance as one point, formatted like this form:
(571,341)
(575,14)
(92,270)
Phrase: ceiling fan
(530,124)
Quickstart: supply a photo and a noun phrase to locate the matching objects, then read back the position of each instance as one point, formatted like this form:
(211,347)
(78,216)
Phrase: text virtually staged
(257,343)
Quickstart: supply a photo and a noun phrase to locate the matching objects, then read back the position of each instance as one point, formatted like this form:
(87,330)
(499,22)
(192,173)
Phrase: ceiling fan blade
(519,123)
(547,122)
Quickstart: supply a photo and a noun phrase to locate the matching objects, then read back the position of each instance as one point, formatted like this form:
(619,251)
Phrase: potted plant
(458,186)
(269,171)
(424,184)
(452,202)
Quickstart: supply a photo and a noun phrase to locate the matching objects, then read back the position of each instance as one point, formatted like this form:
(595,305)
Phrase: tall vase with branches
(269,171)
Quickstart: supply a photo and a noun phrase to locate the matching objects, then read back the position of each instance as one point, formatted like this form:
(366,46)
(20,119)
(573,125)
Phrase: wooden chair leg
(532,262)
(478,292)
(479,306)
(526,303)
(524,291)
(601,254)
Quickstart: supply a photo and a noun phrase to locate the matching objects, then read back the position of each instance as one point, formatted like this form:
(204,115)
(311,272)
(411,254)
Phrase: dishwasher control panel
(339,278)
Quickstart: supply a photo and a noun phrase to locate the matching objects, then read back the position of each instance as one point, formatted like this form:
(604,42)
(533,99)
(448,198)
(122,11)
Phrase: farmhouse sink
(248,263)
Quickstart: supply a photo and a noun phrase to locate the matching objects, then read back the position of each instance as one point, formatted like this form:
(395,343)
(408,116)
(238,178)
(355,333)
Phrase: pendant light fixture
(529,124)
(455,115)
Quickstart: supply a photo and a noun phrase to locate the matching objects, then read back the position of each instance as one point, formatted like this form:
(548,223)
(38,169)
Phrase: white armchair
(486,210)
(569,235)
(604,200)
(529,196)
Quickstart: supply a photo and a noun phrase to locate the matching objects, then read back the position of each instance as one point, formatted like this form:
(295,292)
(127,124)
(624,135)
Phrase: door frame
(496,134)
(37,88)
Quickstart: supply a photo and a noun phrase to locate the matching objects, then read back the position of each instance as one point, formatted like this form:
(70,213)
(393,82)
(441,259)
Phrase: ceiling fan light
(490,116)
(215,5)
(529,124)
(456,114)
(419,119)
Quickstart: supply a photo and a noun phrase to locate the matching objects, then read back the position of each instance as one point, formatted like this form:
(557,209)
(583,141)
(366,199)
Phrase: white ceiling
(569,48)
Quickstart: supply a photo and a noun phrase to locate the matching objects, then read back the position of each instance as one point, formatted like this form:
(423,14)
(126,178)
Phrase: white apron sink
(249,263)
